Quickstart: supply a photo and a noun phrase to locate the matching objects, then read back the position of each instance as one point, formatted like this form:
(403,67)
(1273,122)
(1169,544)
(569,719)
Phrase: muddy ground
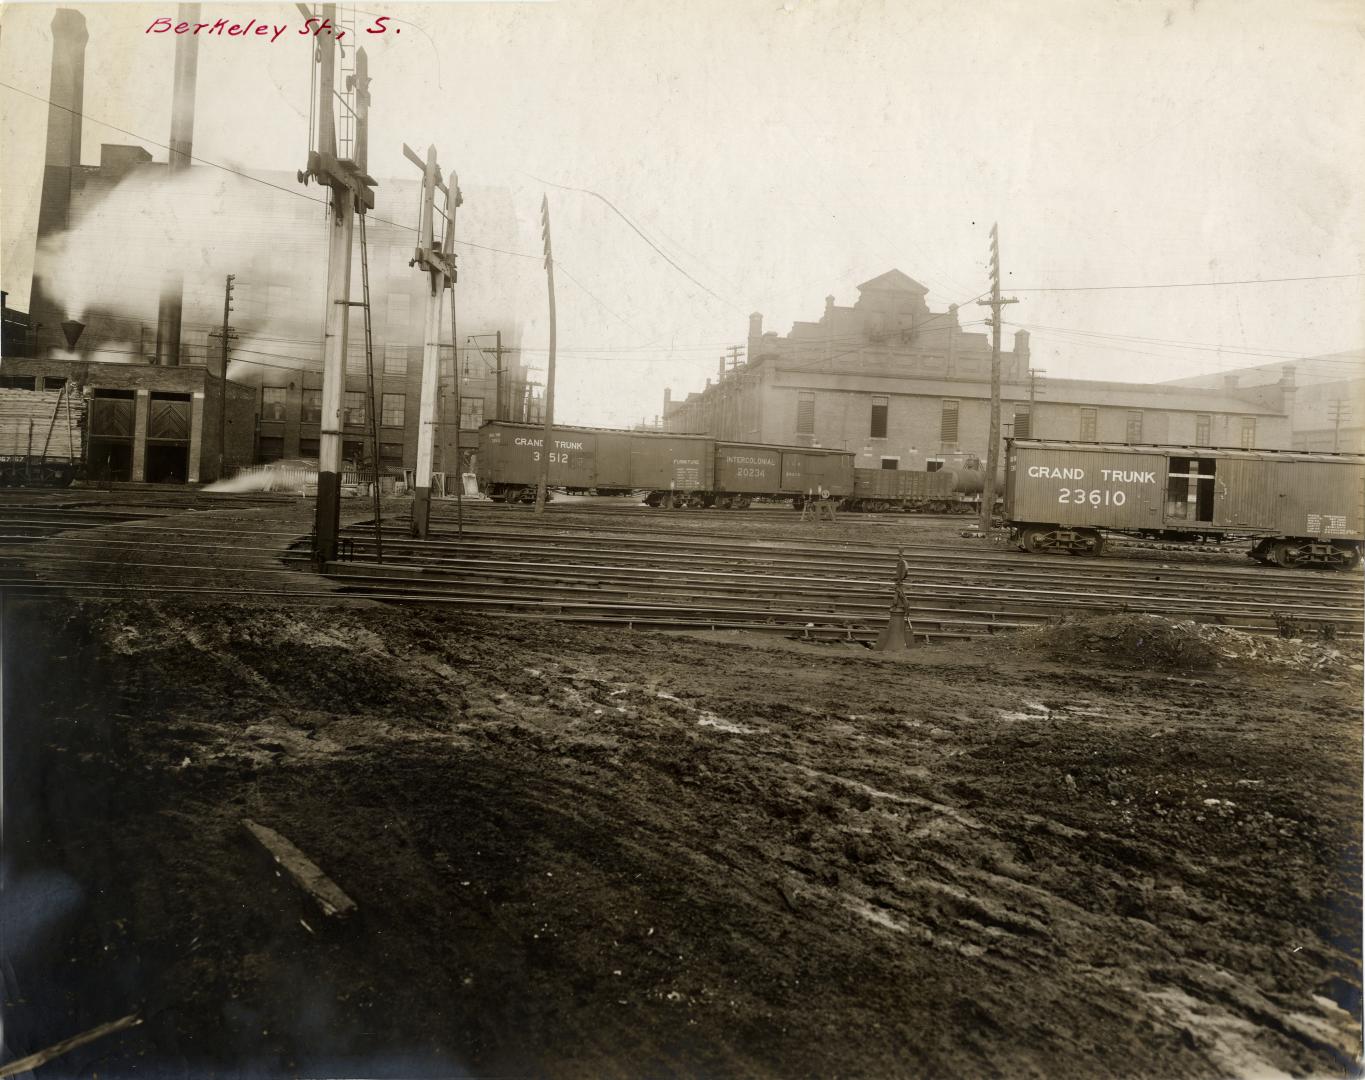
(584,853)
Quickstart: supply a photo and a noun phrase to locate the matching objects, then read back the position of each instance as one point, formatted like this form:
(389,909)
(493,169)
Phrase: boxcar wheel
(1285,554)
(1350,558)
(1033,539)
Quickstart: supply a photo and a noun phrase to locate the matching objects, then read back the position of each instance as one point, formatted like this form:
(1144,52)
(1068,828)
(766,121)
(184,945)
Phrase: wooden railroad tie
(302,871)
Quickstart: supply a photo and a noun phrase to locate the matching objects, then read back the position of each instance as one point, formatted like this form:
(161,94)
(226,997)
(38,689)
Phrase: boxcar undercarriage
(1285,551)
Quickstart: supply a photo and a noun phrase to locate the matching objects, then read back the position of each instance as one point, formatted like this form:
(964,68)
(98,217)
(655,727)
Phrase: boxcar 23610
(1299,508)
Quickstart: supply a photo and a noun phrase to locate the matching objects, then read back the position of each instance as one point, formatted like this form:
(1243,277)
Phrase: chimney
(1288,391)
(1230,382)
(67,97)
(66,94)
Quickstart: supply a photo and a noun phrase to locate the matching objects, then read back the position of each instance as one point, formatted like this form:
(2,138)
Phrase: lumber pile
(31,420)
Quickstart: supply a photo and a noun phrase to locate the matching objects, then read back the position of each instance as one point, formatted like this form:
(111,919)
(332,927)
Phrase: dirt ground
(579,852)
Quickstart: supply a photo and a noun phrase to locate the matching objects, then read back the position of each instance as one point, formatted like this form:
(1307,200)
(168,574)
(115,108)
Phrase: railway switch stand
(898,634)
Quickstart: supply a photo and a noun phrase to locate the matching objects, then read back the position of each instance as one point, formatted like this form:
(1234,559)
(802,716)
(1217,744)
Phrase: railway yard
(626,792)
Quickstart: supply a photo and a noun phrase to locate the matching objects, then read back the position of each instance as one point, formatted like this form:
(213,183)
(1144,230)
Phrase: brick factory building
(907,388)
(276,232)
(148,423)
(1329,403)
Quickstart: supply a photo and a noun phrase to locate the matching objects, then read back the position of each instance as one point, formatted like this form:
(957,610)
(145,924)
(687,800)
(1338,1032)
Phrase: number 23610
(1094,497)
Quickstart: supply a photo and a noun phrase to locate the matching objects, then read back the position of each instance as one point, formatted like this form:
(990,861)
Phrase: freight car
(940,492)
(42,437)
(1299,509)
(672,470)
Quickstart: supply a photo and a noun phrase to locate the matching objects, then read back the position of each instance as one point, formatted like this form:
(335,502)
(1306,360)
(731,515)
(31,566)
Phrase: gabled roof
(893,281)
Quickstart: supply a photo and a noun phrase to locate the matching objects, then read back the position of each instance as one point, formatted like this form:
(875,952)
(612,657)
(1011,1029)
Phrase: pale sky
(780,152)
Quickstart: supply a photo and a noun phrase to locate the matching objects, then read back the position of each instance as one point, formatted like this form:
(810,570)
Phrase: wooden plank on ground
(42,1057)
(305,873)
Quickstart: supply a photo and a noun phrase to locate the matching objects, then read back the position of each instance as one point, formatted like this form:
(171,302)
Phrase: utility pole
(223,372)
(499,398)
(1033,381)
(1340,410)
(995,303)
(437,259)
(497,378)
(351,192)
(547,442)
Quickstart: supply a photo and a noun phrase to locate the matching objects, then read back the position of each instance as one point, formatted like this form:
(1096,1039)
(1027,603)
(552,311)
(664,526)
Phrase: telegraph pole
(1033,381)
(223,371)
(1340,410)
(995,303)
(351,192)
(497,378)
(547,442)
(437,259)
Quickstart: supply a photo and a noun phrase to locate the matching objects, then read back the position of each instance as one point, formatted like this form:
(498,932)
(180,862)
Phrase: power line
(1184,284)
(245,175)
(663,254)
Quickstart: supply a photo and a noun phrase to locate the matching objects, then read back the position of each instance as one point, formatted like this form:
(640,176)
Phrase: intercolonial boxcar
(1300,508)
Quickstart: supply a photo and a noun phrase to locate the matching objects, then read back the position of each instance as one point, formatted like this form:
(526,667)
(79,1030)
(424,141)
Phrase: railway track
(639,574)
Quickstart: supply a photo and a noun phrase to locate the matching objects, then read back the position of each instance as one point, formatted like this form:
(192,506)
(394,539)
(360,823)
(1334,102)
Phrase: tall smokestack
(66,93)
(169,311)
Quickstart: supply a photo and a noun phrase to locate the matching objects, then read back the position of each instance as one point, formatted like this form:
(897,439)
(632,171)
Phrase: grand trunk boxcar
(1300,508)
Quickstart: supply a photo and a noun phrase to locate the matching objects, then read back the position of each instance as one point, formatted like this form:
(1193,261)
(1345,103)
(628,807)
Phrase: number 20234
(1079,497)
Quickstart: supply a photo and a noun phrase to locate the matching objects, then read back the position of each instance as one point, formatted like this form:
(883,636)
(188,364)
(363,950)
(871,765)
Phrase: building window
(308,448)
(395,359)
(1248,432)
(805,413)
(272,447)
(272,403)
(311,411)
(355,359)
(391,410)
(1133,433)
(53,382)
(398,312)
(879,406)
(1203,424)
(1089,425)
(933,464)
(891,463)
(353,409)
(471,413)
(391,454)
(947,424)
(1023,422)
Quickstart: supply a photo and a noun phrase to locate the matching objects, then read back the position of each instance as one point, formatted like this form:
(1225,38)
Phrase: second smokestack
(170,308)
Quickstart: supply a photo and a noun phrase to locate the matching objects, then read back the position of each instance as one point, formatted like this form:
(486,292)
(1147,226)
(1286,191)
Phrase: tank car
(1297,508)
